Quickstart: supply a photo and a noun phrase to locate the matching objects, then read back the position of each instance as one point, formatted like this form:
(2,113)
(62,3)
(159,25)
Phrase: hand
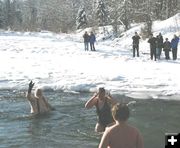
(95,95)
(31,84)
(108,94)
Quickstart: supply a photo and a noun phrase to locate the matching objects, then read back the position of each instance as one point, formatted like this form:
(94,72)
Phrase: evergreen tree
(81,19)
(101,13)
(1,15)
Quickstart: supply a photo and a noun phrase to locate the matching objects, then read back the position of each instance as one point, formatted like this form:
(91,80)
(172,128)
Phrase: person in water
(37,101)
(103,103)
(121,134)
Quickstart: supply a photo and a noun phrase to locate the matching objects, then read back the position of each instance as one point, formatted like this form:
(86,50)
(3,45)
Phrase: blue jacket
(92,38)
(174,42)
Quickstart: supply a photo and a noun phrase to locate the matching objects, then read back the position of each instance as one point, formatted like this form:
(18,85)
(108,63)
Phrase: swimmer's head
(101,92)
(120,112)
(38,92)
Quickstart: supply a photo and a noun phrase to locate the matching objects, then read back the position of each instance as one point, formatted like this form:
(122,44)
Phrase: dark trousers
(174,53)
(92,46)
(167,54)
(86,46)
(135,49)
(153,53)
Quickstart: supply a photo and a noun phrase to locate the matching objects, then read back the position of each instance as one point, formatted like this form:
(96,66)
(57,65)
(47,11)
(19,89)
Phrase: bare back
(121,136)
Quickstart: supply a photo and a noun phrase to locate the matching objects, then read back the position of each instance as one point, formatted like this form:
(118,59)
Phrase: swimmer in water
(37,101)
(121,134)
(103,103)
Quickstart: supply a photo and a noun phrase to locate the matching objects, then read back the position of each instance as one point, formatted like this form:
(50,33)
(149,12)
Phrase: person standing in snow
(161,41)
(92,40)
(152,42)
(159,45)
(86,41)
(136,39)
(167,48)
(174,46)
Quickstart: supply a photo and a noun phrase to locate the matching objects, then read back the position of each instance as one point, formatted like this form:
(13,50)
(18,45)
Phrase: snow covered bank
(59,62)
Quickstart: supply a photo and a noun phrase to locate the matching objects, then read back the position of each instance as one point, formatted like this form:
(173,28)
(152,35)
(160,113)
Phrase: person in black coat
(86,41)
(136,39)
(152,42)
(167,48)
(161,41)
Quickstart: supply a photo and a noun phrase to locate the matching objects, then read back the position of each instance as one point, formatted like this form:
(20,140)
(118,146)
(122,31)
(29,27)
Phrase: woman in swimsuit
(103,104)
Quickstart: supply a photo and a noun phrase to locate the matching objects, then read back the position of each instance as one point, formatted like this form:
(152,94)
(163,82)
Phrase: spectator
(174,46)
(136,39)
(152,41)
(167,48)
(86,41)
(92,41)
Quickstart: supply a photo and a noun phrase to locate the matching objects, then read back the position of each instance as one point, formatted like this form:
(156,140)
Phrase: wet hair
(120,112)
(101,89)
(38,92)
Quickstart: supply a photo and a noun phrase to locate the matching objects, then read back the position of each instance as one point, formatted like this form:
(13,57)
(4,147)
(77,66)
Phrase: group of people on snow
(112,118)
(89,39)
(157,44)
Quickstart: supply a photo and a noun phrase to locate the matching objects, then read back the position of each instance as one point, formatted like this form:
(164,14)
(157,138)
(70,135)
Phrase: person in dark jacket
(174,46)
(92,40)
(167,48)
(161,41)
(86,41)
(136,39)
(152,42)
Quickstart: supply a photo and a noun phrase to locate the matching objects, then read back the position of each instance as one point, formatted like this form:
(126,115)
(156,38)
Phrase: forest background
(68,15)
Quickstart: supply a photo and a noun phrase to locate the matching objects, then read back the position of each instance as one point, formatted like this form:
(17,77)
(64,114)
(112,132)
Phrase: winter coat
(167,46)
(160,40)
(174,43)
(136,39)
(152,42)
(86,37)
(92,38)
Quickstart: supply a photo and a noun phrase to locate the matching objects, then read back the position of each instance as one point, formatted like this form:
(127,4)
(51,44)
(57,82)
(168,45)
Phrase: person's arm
(91,102)
(29,95)
(104,143)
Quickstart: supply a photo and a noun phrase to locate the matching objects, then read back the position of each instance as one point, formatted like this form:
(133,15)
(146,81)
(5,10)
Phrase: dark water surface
(70,125)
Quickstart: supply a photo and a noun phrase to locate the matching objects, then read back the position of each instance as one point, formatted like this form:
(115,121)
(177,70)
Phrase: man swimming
(37,101)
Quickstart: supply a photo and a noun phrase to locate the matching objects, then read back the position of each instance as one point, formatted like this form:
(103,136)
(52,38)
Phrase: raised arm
(29,95)
(91,102)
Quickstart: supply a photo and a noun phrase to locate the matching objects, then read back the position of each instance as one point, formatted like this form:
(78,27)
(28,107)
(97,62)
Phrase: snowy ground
(59,62)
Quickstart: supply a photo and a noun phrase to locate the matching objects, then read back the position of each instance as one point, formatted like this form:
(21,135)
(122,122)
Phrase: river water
(71,125)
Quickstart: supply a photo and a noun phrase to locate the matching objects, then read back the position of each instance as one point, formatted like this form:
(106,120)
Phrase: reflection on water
(70,125)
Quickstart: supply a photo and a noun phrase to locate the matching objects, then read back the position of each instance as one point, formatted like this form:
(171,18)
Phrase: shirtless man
(103,104)
(37,101)
(121,135)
